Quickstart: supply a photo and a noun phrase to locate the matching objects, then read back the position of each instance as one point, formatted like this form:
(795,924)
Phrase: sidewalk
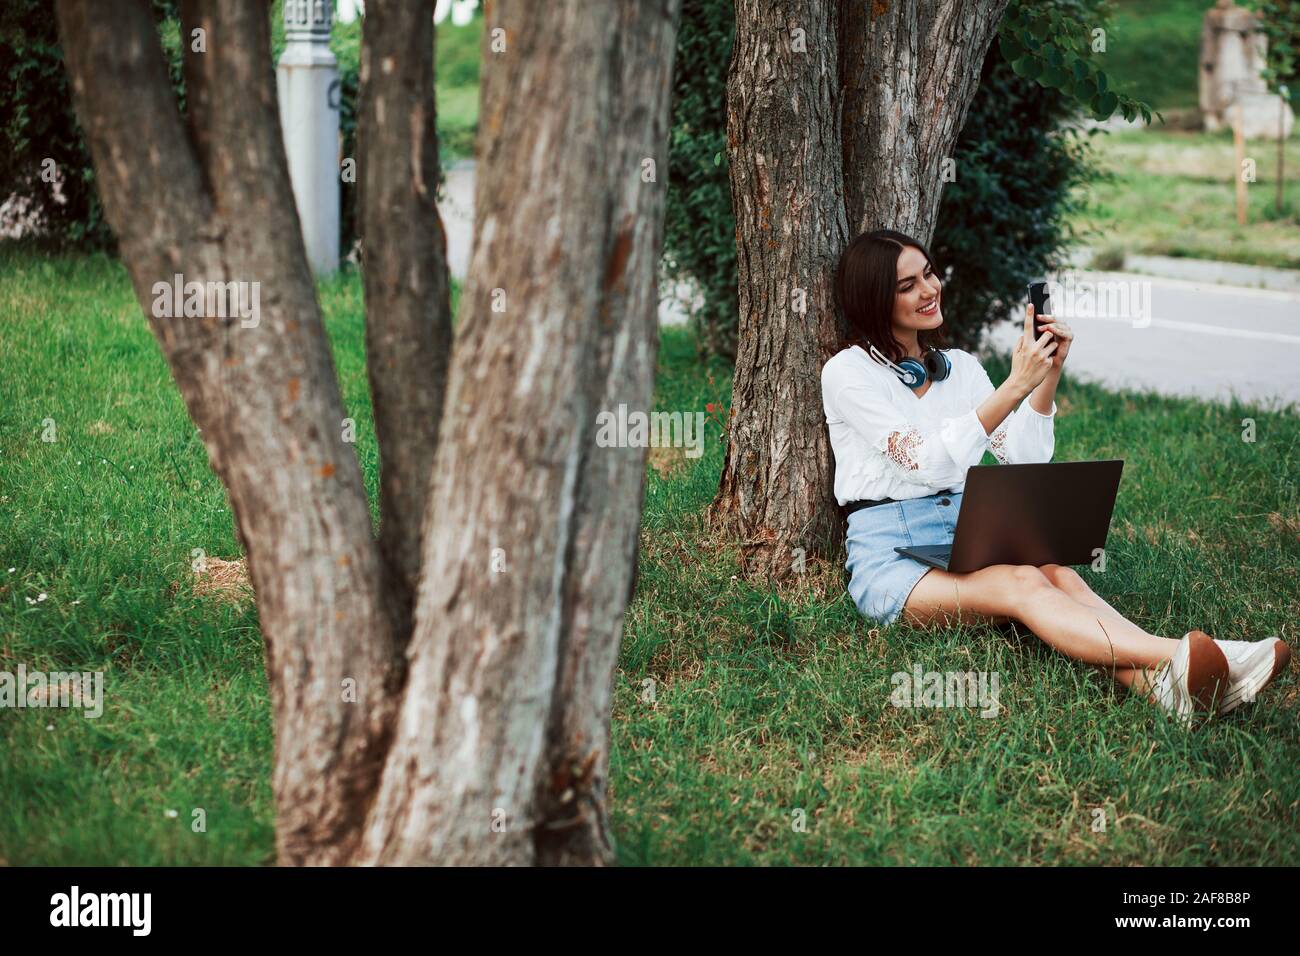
(1205,271)
(1202,340)
(457,208)
(1217,330)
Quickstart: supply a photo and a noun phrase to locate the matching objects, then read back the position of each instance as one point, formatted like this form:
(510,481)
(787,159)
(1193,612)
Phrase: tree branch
(198,71)
(602,558)
(516,476)
(258,379)
(909,71)
(408,305)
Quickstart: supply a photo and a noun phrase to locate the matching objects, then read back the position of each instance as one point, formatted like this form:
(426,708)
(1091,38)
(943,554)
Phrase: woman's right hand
(1030,360)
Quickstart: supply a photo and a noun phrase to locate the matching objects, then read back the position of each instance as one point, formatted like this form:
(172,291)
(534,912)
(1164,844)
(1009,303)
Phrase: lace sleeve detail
(997,444)
(901,448)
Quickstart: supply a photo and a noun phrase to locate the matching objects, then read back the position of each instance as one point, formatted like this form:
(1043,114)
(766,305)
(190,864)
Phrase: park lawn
(1153,51)
(456,61)
(736,706)
(1173,194)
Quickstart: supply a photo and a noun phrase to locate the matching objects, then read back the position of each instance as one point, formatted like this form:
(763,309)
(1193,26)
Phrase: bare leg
(1026,594)
(1073,584)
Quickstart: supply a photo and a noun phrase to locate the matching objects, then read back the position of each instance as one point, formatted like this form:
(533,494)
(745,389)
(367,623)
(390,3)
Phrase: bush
(37,120)
(699,228)
(1280,20)
(1006,218)
(1001,222)
(38,125)
(345,43)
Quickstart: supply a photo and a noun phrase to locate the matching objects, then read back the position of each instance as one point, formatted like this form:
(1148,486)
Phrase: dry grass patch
(1287,525)
(223,580)
(666,460)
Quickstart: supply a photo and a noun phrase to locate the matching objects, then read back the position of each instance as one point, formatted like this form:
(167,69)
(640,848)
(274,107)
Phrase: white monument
(307,80)
(462,11)
(1233,56)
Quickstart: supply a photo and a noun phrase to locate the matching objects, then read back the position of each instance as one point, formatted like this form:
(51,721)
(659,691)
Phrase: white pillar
(307,80)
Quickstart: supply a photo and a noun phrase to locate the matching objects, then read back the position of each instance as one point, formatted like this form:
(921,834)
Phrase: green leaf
(1101,82)
(1027,66)
(1053,76)
(1104,104)
(1011,49)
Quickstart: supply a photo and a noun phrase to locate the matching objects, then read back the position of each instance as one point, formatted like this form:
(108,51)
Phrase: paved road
(1204,340)
(457,210)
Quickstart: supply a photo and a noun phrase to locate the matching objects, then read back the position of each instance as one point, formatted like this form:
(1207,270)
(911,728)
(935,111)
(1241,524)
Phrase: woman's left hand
(1063,335)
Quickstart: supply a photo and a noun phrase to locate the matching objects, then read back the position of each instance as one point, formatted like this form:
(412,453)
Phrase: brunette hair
(866,283)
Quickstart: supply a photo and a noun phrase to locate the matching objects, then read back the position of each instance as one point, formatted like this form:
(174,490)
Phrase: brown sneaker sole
(1207,671)
(1281,659)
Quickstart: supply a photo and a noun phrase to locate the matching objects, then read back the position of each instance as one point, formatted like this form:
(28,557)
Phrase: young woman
(908,417)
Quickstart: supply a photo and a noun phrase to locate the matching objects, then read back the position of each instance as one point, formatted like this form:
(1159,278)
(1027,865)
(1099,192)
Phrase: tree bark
(571,809)
(845,137)
(783,144)
(909,72)
(264,397)
(503,737)
(528,554)
(404,252)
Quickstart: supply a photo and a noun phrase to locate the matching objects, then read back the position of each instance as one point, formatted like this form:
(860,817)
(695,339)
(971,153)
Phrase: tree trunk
(218,207)
(783,145)
(909,72)
(404,251)
(503,737)
(528,553)
(571,810)
(894,81)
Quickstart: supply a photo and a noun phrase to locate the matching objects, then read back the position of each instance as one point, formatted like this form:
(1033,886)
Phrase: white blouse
(890,444)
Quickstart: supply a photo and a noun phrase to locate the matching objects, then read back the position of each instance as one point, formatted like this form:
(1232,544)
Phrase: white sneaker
(1251,665)
(1187,683)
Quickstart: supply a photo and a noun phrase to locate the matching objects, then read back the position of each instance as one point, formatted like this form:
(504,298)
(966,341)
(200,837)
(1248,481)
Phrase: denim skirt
(880,579)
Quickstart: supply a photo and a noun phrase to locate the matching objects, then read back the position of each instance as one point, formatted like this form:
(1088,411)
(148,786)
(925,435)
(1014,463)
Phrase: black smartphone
(1041,302)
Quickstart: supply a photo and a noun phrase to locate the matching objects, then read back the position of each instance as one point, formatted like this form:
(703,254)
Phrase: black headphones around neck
(914,373)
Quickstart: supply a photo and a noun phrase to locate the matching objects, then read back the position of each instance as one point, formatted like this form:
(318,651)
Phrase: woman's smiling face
(917,293)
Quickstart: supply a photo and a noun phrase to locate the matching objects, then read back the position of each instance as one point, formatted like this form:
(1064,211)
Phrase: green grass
(456,61)
(1174,194)
(1153,51)
(764,702)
